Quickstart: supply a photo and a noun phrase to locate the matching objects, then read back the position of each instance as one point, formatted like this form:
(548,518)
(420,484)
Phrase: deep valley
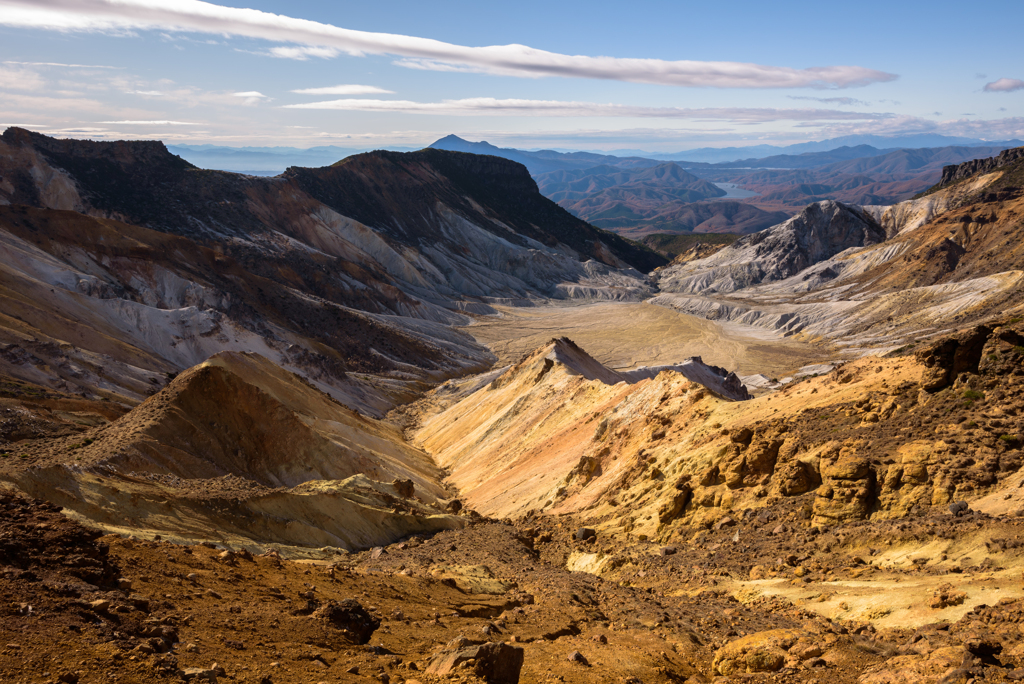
(424,417)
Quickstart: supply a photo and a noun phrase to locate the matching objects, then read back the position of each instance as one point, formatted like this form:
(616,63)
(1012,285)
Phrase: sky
(659,76)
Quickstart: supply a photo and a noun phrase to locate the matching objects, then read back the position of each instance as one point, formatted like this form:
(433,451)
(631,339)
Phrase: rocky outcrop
(819,232)
(754,653)
(958,172)
(560,431)
(498,663)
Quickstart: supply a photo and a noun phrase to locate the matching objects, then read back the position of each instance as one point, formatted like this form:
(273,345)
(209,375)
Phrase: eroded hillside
(308,467)
(925,266)
(124,257)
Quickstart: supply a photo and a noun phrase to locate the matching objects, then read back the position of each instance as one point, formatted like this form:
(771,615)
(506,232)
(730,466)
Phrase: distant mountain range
(713,155)
(667,181)
(274,160)
(639,195)
(658,199)
(543,161)
(265,161)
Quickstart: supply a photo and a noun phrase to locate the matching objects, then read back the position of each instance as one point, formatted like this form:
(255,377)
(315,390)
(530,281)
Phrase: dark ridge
(958,172)
(141,182)
(398,192)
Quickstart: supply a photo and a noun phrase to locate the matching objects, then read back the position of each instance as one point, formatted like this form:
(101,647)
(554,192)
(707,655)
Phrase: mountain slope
(947,260)
(397,192)
(239,450)
(537,431)
(125,263)
(822,230)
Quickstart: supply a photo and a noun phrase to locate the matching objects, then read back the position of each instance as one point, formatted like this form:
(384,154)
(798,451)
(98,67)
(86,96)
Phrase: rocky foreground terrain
(330,478)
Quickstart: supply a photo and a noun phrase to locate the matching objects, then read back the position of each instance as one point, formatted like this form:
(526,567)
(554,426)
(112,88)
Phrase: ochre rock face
(544,437)
(759,652)
(559,432)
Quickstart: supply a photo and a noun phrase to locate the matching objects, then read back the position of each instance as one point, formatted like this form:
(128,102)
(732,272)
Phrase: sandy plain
(627,335)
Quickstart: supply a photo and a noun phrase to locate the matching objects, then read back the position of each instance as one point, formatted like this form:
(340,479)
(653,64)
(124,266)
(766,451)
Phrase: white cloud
(251,97)
(303,53)
(845,101)
(991,129)
(61,64)
(344,90)
(520,60)
(488,106)
(1004,85)
(151,123)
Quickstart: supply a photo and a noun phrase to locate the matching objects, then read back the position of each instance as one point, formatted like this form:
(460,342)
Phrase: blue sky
(658,76)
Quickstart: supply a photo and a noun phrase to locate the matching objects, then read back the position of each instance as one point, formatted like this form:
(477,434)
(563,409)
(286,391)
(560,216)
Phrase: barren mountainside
(332,426)
(149,265)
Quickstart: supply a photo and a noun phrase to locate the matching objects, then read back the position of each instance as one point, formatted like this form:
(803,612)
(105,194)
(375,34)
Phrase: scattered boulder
(758,652)
(758,572)
(404,488)
(192,673)
(959,508)
(350,617)
(579,658)
(946,596)
(725,521)
(585,533)
(497,663)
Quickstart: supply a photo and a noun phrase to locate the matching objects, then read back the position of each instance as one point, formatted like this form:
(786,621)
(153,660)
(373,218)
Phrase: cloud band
(487,106)
(325,40)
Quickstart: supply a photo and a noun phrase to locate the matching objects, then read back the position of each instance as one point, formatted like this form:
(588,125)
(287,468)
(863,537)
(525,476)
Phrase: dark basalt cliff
(959,172)
(400,192)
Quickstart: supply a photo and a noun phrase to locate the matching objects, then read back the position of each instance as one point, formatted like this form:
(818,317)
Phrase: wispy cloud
(61,64)
(518,60)
(990,129)
(344,90)
(251,97)
(151,123)
(488,106)
(303,53)
(1004,85)
(848,101)
(19,78)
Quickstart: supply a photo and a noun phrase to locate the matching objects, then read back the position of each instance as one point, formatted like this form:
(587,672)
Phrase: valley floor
(627,335)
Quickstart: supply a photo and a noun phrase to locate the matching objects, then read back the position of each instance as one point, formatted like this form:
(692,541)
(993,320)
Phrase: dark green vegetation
(672,245)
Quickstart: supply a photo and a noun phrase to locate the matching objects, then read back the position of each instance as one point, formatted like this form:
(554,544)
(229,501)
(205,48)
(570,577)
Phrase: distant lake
(734,191)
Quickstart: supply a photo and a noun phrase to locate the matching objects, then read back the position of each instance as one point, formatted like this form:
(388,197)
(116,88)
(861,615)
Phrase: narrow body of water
(734,191)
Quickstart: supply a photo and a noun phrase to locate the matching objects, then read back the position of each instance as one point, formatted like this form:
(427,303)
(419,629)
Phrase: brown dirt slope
(237,437)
